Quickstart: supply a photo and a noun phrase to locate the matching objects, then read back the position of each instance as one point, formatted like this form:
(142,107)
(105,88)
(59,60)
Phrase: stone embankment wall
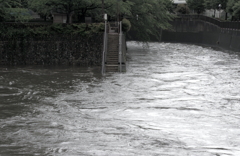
(53,50)
(202,32)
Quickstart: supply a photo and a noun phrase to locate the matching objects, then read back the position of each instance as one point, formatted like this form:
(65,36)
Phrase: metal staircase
(112,54)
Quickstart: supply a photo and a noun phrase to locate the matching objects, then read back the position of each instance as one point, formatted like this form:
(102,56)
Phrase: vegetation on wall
(16,30)
(41,44)
(27,44)
(52,50)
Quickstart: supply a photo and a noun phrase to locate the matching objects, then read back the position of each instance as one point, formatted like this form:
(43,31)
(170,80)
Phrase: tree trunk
(81,17)
(68,18)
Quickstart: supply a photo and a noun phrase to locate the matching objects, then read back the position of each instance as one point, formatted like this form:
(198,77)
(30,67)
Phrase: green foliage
(170,6)
(148,17)
(233,7)
(40,7)
(13,10)
(197,5)
(214,4)
(119,7)
(182,9)
(236,10)
(68,7)
(211,4)
(126,25)
(18,30)
(223,4)
(230,5)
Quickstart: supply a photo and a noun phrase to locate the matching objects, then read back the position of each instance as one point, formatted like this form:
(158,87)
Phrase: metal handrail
(104,48)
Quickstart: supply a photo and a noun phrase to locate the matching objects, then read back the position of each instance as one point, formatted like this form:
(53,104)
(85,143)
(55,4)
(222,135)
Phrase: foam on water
(174,100)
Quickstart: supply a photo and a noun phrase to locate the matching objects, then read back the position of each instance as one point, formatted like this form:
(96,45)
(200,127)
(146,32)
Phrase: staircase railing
(120,46)
(105,38)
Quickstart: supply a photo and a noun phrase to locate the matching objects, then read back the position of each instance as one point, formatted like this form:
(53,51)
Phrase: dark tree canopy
(13,9)
(196,5)
(182,9)
(233,7)
(146,16)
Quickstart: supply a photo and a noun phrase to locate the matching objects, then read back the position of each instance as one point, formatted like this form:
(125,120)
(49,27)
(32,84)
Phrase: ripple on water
(9,91)
(174,100)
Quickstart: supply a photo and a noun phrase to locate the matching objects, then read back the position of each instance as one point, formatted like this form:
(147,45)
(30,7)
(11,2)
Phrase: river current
(174,100)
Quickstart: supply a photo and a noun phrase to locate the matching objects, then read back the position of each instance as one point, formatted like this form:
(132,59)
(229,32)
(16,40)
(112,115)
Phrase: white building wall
(179,1)
(218,13)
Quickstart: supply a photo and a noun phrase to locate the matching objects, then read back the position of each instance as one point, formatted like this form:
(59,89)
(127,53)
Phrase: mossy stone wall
(24,44)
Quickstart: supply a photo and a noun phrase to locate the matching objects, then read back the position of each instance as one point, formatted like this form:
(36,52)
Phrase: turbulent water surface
(174,100)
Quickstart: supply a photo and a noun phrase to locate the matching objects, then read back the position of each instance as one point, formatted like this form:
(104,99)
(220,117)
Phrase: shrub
(126,25)
(182,9)
(15,30)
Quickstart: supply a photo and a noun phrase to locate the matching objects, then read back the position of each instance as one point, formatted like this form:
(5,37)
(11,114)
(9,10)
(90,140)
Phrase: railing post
(120,46)
(104,48)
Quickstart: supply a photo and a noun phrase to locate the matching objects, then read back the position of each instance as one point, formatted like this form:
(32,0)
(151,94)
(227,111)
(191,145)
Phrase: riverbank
(26,44)
(197,31)
(53,50)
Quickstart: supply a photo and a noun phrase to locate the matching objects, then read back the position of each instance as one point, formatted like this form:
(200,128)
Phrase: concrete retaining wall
(53,50)
(201,32)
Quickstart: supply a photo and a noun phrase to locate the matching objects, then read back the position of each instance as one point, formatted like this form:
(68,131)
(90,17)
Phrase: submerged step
(111,68)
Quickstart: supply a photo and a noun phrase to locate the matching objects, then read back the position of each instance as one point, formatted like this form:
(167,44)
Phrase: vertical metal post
(120,47)
(104,47)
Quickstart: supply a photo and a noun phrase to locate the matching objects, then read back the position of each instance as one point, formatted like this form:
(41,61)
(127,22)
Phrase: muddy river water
(174,100)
